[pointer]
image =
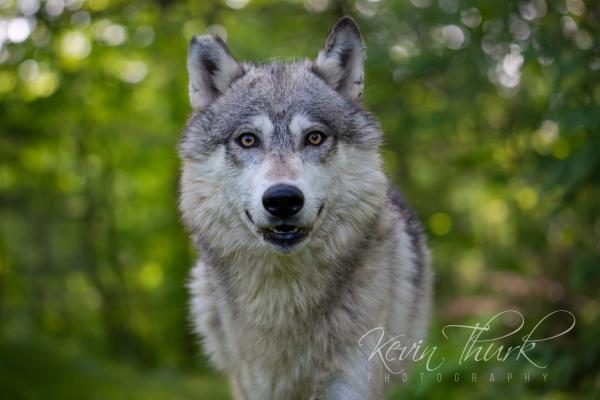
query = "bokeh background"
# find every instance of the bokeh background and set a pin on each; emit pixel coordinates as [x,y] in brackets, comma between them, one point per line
[492,122]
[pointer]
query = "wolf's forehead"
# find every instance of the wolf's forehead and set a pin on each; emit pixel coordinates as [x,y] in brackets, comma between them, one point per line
[280,92]
[282,88]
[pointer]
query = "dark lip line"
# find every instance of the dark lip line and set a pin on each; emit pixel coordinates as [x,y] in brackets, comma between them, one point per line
[249,216]
[320,209]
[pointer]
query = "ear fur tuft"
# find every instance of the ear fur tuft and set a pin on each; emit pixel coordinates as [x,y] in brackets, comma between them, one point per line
[340,62]
[211,68]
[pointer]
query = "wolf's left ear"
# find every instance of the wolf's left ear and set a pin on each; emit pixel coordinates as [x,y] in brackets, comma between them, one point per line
[340,62]
[211,69]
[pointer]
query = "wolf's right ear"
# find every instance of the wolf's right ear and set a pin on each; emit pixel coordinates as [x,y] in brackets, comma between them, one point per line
[211,69]
[340,62]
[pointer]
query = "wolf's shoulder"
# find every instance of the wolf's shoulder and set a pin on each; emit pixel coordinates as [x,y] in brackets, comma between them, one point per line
[414,230]
[400,206]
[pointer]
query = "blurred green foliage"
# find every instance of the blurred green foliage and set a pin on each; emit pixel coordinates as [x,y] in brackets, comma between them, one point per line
[492,121]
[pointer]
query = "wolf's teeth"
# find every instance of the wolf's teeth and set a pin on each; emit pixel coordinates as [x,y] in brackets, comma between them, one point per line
[293,230]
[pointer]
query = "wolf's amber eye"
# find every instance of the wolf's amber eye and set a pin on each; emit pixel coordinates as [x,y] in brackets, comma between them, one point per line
[248,140]
[315,138]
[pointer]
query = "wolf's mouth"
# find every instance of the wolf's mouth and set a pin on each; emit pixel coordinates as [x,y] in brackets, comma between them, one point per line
[285,235]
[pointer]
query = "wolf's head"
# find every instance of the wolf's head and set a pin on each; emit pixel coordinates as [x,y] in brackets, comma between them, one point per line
[280,157]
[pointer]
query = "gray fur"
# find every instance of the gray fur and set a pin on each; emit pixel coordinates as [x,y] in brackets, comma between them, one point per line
[286,323]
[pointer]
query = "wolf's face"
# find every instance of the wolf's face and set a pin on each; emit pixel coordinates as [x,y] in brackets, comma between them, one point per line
[278,156]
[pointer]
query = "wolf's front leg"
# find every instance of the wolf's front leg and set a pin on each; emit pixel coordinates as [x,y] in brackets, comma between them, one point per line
[236,393]
[362,381]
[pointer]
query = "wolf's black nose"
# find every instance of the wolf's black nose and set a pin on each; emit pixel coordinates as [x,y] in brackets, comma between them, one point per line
[283,201]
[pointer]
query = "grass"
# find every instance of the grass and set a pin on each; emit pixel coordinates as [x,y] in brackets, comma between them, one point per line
[33,371]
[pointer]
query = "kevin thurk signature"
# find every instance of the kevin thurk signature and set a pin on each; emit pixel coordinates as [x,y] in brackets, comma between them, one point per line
[481,345]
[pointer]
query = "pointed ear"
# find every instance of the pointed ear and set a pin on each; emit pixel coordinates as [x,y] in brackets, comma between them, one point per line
[340,62]
[211,69]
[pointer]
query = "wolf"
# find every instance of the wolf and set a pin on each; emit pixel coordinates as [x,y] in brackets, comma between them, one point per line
[304,245]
